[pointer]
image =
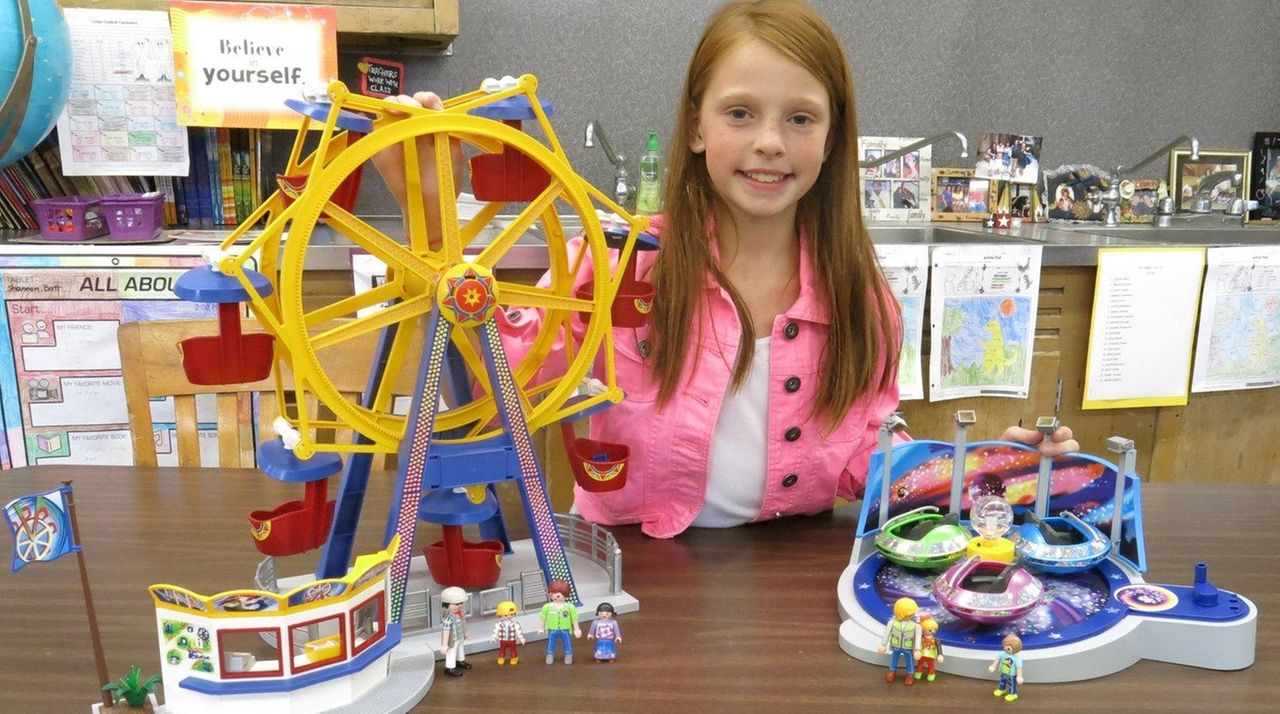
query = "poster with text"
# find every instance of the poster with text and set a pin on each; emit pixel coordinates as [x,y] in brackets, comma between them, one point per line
[61,389]
[121,117]
[895,190]
[237,63]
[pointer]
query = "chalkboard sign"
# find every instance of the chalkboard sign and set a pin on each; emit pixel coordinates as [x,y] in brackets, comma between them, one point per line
[380,77]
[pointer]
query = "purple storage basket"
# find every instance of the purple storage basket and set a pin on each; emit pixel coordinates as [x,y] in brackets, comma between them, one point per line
[70,218]
[134,216]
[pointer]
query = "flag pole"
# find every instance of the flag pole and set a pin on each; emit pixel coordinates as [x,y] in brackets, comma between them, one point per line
[99,658]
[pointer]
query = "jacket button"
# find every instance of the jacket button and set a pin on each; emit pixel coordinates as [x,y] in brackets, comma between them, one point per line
[789,480]
[792,434]
[644,348]
[791,330]
[792,384]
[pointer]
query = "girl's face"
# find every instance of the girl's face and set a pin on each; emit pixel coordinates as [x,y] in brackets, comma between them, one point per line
[763,126]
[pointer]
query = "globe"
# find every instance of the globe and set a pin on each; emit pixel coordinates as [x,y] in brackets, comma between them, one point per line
[50,81]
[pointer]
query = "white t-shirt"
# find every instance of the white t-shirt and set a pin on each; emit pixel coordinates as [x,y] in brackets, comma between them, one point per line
[737,463]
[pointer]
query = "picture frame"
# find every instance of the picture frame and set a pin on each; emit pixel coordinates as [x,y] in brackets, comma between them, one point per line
[1187,177]
[1022,201]
[1138,199]
[947,184]
[1069,193]
[1264,185]
[894,191]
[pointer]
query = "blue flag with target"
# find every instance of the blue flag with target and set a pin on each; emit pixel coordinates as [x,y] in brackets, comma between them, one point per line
[40,526]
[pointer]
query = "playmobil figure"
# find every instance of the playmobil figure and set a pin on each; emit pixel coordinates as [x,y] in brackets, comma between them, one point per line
[453,626]
[606,632]
[559,617]
[930,648]
[902,638]
[507,632]
[1010,666]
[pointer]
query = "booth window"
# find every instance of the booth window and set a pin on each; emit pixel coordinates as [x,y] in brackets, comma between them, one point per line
[368,623]
[245,653]
[318,642]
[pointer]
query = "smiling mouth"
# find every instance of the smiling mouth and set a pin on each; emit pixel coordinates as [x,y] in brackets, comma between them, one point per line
[767,178]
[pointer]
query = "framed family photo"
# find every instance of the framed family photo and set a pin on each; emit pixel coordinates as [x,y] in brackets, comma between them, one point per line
[959,196]
[1265,184]
[895,190]
[1211,176]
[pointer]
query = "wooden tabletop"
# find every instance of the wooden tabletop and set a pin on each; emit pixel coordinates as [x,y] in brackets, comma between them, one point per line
[742,619]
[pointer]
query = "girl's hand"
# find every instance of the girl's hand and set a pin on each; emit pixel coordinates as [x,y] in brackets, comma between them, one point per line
[390,165]
[1063,440]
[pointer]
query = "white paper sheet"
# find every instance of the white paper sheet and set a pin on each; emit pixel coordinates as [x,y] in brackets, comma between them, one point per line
[907,269]
[982,320]
[1144,311]
[121,117]
[1238,345]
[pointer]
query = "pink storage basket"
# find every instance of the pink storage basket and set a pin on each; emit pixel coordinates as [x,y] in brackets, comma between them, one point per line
[70,218]
[134,216]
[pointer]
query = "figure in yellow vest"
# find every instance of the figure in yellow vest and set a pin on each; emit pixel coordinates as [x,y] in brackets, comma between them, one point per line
[902,638]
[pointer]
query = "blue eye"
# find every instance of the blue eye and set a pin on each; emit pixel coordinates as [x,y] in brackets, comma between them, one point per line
[738,113]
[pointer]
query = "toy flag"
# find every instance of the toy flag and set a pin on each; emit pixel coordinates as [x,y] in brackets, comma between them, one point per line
[41,527]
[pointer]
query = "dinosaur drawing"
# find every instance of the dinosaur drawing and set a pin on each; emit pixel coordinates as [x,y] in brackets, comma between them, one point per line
[998,356]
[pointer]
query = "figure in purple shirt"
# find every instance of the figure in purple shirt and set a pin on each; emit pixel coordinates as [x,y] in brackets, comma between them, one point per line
[606,632]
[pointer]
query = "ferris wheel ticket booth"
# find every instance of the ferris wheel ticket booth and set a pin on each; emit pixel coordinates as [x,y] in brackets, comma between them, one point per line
[220,652]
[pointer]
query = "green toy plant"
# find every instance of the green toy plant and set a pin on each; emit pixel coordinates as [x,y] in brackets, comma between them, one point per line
[131,688]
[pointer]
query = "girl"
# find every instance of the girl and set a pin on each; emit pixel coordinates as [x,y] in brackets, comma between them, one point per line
[770,358]
[606,632]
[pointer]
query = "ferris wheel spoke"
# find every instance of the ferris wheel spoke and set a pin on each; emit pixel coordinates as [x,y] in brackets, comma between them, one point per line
[448,202]
[473,227]
[410,309]
[389,250]
[493,252]
[349,306]
[515,294]
[416,221]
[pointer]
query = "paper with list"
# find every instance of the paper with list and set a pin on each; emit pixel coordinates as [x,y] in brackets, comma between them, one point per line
[1144,316]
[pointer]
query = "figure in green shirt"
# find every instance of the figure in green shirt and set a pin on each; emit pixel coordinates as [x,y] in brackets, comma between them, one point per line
[559,617]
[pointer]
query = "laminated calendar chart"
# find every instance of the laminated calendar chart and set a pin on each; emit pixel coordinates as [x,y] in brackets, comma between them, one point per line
[982,320]
[121,115]
[906,267]
[1238,345]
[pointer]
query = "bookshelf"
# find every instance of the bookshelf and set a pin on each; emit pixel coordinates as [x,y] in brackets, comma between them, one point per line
[230,176]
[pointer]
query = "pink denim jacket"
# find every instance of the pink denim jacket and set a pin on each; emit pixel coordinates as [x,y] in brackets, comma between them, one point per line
[667,472]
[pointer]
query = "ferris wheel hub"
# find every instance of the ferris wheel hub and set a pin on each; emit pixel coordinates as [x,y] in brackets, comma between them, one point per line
[467,294]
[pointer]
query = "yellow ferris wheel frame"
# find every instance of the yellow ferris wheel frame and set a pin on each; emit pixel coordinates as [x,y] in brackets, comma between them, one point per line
[415,267]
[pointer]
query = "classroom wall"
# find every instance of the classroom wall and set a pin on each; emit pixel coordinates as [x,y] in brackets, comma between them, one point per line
[1104,82]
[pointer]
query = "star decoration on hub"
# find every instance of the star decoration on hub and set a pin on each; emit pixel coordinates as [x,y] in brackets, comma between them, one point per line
[467,295]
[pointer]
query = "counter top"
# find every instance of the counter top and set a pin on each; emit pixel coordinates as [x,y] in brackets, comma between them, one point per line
[1064,245]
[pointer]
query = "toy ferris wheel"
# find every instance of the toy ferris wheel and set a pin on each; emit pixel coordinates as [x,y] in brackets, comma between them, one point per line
[442,293]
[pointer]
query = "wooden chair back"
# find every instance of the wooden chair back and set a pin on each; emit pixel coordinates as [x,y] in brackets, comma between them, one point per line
[152,367]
